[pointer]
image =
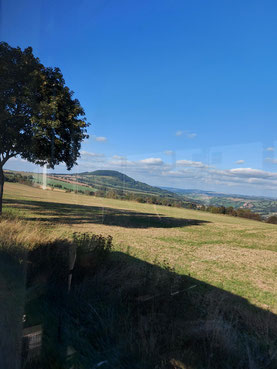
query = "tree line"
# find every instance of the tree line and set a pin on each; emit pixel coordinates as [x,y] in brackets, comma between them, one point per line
[239,212]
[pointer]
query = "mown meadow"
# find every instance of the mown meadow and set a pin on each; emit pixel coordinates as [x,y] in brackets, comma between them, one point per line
[180,288]
[235,254]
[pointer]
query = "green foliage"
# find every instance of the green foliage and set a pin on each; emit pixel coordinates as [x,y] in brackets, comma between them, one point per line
[39,119]
[242,213]
[92,249]
[14,177]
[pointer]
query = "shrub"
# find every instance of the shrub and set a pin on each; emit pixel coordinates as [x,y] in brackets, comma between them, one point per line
[272,219]
[91,252]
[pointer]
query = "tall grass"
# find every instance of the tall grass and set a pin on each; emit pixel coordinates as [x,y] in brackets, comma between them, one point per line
[14,231]
[122,312]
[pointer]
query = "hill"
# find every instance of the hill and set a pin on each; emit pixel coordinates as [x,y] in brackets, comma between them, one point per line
[117,180]
[105,183]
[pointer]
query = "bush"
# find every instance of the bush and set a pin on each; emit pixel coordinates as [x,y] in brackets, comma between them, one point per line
[89,193]
[91,252]
[272,219]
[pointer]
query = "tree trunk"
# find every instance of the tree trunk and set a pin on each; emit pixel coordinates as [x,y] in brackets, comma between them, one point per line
[1,187]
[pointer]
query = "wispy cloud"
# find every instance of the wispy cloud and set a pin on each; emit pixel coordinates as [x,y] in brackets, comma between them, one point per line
[88,159]
[119,157]
[191,135]
[91,154]
[190,163]
[100,138]
[152,161]
[270,149]
[168,152]
[187,134]
[240,162]
[271,160]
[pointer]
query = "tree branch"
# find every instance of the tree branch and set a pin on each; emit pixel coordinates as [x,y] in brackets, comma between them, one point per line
[6,157]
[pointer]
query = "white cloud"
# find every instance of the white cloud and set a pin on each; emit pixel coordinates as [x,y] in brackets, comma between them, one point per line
[152,161]
[100,139]
[186,174]
[189,174]
[89,159]
[187,134]
[250,172]
[119,157]
[168,152]
[270,149]
[91,154]
[195,174]
[240,161]
[190,163]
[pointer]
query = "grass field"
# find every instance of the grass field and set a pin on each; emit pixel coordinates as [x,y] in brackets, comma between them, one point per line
[234,254]
[38,178]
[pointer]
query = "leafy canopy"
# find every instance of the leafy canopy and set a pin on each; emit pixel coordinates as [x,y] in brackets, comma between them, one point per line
[39,118]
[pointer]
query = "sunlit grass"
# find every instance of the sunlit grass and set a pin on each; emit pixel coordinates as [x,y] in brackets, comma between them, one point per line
[238,255]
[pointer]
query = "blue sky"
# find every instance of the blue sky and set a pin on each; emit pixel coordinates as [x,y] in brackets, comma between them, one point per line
[179,93]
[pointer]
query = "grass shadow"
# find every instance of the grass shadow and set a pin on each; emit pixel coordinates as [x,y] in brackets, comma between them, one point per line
[173,321]
[79,214]
[127,313]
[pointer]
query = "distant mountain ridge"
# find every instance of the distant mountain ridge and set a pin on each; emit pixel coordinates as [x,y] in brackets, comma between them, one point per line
[213,193]
[262,205]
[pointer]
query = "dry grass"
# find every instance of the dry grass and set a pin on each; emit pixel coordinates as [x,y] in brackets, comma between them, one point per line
[24,234]
[237,255]
[129,309]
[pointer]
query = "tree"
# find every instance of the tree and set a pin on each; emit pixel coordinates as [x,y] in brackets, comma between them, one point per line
[39,119]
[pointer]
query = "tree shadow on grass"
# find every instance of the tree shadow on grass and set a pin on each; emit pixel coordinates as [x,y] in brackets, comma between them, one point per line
[79,214]
[186,322]
[126,313]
